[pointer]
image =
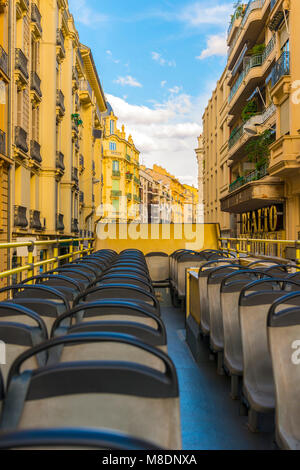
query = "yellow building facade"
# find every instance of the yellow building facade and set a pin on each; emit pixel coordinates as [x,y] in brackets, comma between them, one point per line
[121,182]
[251,126]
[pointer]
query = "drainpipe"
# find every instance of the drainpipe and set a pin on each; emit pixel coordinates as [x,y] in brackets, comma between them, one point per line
[9,133]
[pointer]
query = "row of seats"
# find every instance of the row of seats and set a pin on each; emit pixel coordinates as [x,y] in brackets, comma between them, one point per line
[250,314]
[86,359]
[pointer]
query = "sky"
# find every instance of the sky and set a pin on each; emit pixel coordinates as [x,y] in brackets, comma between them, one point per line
[158,62]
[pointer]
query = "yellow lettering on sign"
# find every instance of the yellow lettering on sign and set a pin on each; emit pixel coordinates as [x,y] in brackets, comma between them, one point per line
[273,218]
[254,224]
[244,223]
[259,227]
[266,211]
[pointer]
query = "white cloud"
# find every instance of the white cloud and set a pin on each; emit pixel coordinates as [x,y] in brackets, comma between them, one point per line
[85,14]
[157,57]
[163,83]
[175,90]
[197,13]
[128,80]
[165,133]
[108,52]
[215,45]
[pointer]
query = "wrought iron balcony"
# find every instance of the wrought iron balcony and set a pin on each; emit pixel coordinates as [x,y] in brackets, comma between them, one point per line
[36,17]
[60,101]
[75,174]
[3,61]
[60,41]
[21,139]
[75,75]
[81,161]
[129,176]
[2,142]
[93,167]
[116,173]
[22,63]
[136,180]
[35,151]
[281,68]
[60,222]
[75,226]
[86,91]
[81,197]
[128,158]
[60,160]
[35,221]
[129,196]
[20,219]
[136,198]
[115,193]
[35,84]
[252,176]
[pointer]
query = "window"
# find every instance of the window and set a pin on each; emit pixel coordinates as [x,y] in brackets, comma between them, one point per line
[112,146]
[115,165]
[112,127]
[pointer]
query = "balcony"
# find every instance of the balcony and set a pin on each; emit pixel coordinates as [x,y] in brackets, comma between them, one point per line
[129,176]
[36,19]
[81,197]
[136,180]
[22,7]
[129,196]
[35,221]
[128,158]
[253,191]
[81,162]
[35,86]
[281,68]
[3,62]
[60,223]
[60,161]
[254,18]
[115,193]
[136,199]
[75,78]
[35,151]
[74,226]
[116,173]
[2,142]
[93,168]
[20,219]
[21,139]
[285,156]
[60,44]
[21,66]
[277,15]
[85,92]
[75,174]
[60,103]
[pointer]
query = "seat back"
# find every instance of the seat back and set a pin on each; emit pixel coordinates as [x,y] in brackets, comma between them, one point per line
[126,278]
[158,266]
[284,344]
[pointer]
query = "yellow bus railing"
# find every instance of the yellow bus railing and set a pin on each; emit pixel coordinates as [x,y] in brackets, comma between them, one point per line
[234,245]
[54,260]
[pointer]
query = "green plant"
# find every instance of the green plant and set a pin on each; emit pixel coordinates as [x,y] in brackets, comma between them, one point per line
[258,149]
[76,118]
[257,49]
[249,110]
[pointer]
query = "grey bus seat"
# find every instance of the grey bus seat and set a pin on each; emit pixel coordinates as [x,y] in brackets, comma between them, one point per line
[117,317]
[134,271]
[2,393]
[255,301]
[120,291]
[125,396]
[158,266]
[70,287]
[284,344]
[72,439]
[20,329]
[126,278]
[214,301]
[230,290]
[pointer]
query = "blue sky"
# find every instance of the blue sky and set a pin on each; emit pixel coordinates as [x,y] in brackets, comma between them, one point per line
[158,62]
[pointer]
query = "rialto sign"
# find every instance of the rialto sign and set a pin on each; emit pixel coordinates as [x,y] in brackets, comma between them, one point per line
[266,219]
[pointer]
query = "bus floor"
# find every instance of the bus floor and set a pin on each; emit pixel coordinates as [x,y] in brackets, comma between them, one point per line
[209,417]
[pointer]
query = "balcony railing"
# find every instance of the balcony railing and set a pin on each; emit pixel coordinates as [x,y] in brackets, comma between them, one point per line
[3,61]
[252,176]
[129,176]
[81,197]
[136,180]
[60,222]
[281,68]
[35,221]
[84,85]
[60,40]
[20,219]
[21,139]
[81,161]
[74,226]
[252,5]
[128,158]
[22,63]
[2,142]
[35,151]
[60,100]
[60,160]
[129,196]
[116,173]
[235,136]
[75,174]
[36,17]
[250,63]
[115,193]
[75,75]
[36,84]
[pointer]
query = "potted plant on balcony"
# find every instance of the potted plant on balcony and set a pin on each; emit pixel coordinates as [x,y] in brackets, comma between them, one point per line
[258,149]
[258,49]
[249,110]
